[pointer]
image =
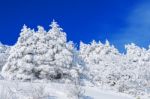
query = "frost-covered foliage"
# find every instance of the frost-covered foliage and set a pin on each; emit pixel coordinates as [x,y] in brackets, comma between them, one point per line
[138,68]
[100,61]
[40,55]
[4,53]
[105,66]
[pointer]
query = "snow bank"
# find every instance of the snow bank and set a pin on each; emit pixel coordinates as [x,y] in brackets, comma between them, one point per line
[26,90]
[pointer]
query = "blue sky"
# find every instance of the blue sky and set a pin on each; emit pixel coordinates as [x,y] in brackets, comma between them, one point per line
[119,21]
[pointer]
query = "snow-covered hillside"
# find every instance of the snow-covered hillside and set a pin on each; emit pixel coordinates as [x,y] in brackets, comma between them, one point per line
[47,56]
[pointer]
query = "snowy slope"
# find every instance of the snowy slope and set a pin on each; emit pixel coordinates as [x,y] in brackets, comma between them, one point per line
[22,90]
[104,94]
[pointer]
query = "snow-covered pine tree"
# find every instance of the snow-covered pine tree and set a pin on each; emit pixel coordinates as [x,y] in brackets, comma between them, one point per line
[101,61]
[40,55]
[17,65]
[137,67]
[4,53]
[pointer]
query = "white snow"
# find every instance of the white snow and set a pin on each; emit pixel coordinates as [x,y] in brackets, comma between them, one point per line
[24,90]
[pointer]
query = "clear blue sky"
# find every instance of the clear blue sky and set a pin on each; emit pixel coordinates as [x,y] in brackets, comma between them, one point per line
[119,21]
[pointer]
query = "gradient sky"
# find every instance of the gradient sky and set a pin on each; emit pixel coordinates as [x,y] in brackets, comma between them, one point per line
[119,21]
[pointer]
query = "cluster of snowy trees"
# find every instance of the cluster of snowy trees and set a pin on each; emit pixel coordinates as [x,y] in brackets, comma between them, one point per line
[47,55]
[105,66]
[41,55]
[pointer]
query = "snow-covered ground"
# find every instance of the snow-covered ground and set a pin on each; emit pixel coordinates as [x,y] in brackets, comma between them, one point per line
[96,93]
[25,90]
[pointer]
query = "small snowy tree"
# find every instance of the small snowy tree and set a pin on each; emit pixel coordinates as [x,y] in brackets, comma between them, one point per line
[75,89]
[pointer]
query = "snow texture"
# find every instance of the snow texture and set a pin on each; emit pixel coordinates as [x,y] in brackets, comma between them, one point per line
[4,53]
[27,90]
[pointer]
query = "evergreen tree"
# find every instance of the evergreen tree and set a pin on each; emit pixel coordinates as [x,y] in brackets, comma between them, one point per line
[40,55]
[4,53]
[101,61]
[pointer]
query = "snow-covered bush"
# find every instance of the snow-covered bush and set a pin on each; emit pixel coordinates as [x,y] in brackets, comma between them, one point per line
[7,93]
[38,92]
[41,55]
[75,89]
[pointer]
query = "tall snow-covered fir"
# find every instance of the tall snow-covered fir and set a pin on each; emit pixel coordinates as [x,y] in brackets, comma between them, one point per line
[40,55]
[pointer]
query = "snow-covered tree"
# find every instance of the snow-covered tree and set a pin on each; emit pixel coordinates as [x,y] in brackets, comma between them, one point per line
[40,55]
[105,66]
[100,61]
[137,67]
[4,53]
[127,72]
